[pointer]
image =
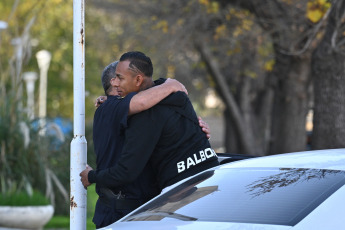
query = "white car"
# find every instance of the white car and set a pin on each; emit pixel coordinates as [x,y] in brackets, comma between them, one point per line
[302,190]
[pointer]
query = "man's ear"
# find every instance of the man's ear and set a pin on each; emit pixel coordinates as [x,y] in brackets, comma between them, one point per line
[112,81]
[139,79]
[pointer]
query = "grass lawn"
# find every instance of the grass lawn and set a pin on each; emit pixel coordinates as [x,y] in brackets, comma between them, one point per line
[62,222]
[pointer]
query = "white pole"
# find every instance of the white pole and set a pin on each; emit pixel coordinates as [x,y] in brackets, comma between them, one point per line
[30,78]
[78,145]
[43,59]
[16,81]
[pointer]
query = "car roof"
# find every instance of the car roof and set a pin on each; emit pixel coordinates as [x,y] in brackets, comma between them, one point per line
[333,159]
[188,225]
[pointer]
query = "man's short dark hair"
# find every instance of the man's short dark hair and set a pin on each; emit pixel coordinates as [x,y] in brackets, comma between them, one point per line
[138,61]
[107,75]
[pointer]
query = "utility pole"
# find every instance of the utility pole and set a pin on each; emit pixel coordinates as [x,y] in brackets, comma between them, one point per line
[78,194]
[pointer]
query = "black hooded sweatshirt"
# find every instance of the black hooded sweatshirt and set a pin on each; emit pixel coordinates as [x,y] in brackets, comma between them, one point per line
[166,137]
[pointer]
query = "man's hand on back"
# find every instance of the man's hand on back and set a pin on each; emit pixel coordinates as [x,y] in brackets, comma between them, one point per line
[84,176]
[100,100]
[205,127]
[176,85]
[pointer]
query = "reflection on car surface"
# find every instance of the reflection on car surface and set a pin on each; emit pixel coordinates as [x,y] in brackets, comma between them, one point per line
[303,190]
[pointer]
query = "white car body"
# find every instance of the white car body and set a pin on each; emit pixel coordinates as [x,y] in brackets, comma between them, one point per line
[327,214]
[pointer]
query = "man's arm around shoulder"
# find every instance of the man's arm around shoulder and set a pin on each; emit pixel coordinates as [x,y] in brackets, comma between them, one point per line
[150,97]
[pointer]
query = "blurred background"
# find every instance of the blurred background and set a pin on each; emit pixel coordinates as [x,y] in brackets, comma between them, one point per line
[267,76]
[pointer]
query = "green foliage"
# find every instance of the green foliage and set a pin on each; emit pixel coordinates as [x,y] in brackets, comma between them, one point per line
[23,199]
[28,160]
[52,30]
[13,147]
[316,9]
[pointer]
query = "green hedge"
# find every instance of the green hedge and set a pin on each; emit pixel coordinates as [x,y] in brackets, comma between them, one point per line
[23,199]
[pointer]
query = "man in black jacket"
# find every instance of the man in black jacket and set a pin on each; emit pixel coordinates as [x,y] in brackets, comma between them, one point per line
[166,137]
[110,121]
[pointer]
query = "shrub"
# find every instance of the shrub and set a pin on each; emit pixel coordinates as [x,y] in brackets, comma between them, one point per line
[28,161]
[23,199]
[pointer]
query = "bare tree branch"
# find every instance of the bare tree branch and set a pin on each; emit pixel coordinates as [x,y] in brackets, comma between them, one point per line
[244,134]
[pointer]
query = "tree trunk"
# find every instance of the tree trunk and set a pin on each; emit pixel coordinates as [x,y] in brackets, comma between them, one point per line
[286,24]
[328,68]
[230,138]
[263,120]
[290,103]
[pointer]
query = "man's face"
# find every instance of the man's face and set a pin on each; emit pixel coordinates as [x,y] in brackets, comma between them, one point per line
[125,80]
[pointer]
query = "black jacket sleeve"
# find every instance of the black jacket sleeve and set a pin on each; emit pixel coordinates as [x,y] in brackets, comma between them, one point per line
[137,151]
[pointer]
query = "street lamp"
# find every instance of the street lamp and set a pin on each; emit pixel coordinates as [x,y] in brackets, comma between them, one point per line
[30,78]
[3,25]
[18,44]
[43,60]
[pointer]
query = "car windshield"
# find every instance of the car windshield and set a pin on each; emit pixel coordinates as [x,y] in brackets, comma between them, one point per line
[248,195]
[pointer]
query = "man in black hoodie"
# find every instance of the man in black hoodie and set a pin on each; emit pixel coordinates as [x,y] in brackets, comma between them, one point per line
[110,121]
[167,138]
